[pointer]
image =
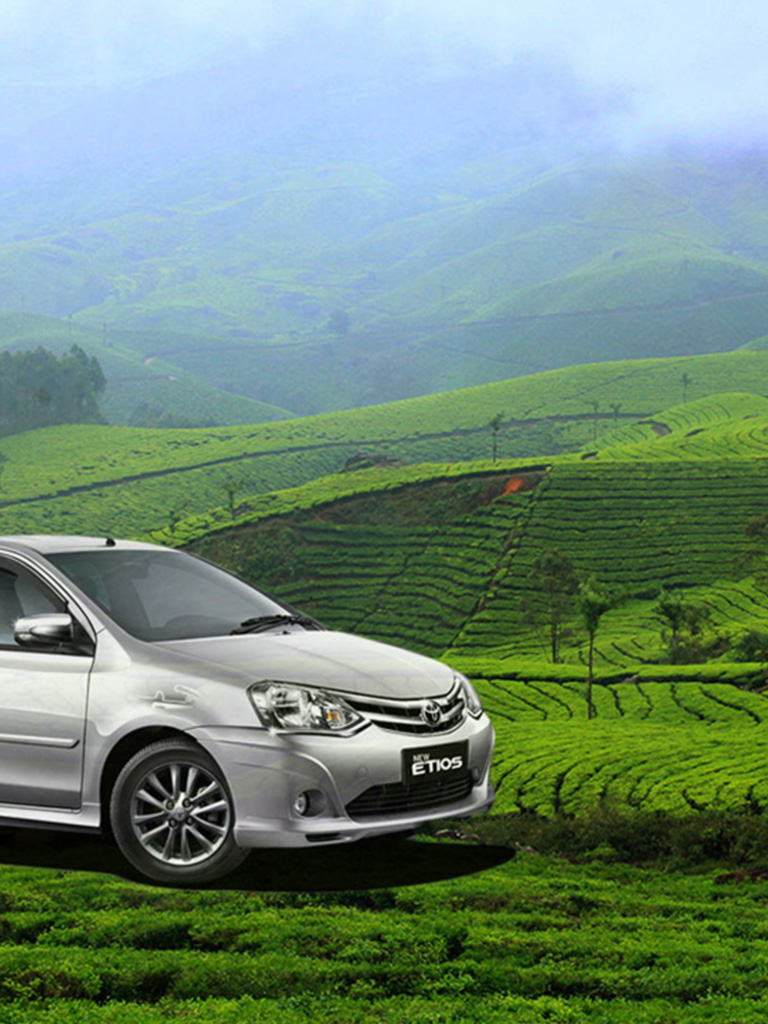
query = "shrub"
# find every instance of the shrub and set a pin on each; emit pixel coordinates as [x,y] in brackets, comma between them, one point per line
[610,833]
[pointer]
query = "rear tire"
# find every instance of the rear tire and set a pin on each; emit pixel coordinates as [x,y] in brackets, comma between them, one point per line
[172,815]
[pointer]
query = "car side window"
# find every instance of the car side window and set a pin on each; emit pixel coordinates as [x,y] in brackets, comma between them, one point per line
[21,595]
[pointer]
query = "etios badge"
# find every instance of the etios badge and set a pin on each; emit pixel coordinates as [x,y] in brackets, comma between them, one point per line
[436,764]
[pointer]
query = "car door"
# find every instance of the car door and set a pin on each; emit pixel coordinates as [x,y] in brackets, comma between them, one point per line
[43,698]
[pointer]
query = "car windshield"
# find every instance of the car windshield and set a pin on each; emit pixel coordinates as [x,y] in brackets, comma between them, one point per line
[164,595]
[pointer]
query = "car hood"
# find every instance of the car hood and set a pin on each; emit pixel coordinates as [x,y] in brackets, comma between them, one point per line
[326,659]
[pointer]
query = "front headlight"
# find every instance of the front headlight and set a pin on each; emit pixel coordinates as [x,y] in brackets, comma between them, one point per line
[471,699]
[287,706]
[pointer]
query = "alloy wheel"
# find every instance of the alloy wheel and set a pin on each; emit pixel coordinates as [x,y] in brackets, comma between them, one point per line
[180,813]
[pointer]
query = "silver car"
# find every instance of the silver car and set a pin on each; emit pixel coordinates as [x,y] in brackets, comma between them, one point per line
[148,691]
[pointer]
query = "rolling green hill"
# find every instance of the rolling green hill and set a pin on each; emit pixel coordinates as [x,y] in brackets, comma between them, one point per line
[230,273]
[709,427]
[463,238]
[660,501]
[129,481]
[451,569]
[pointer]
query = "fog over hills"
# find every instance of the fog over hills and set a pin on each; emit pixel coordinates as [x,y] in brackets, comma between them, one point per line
[321,214]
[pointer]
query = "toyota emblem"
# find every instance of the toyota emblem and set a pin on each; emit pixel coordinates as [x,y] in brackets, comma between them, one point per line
[431,714]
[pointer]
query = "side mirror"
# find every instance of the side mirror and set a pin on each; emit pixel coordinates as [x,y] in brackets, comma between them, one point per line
[44,632]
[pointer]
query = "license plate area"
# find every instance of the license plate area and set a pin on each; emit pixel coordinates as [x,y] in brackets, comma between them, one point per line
[435,763]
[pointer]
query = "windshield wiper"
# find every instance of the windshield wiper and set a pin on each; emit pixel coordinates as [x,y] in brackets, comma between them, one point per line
[264,622]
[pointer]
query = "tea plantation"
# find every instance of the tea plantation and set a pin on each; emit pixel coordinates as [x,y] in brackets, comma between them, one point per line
[441,557]
[127,481]
[447,566]
[656,746]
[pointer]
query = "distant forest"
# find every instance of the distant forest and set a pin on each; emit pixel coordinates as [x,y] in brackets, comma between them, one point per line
[39,389]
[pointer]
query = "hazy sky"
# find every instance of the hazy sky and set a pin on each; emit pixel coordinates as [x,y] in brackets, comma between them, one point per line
[692,67]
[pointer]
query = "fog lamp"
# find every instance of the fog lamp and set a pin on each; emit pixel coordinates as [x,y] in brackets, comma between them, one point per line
[309,803]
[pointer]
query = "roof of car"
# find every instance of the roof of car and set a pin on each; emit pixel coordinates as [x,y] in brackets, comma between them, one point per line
[46,544]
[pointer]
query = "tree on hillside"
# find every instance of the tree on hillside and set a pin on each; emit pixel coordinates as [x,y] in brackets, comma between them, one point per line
[595,406]
[757,527]
[232,486]
[495,426]
[754,558]
[751,646]
[174,516]
[553,586]
[38,389]
[686,381]
[615,408]
[593,601]
[684,630]
[672,610]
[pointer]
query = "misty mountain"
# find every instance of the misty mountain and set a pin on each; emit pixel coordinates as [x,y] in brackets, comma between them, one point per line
[315,227]
[309,103]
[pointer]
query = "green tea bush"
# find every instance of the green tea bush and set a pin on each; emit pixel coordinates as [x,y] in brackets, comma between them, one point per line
[611,833]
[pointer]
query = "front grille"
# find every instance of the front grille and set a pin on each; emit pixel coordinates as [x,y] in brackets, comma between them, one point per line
[396,798]
[413,716]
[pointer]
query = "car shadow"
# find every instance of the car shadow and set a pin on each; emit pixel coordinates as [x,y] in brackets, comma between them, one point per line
[368,864]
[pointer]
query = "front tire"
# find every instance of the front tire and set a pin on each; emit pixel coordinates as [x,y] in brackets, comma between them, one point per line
[172,815]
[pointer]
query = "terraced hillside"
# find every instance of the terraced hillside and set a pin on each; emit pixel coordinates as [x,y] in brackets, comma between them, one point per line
[131,481]
[450,566]
[405,565]
[654,746]
[662,501]
[637,527]
[445,566]
[459,585]
[440,558]
[703,428]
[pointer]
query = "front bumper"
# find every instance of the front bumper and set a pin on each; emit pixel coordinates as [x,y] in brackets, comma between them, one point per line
[267,771]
